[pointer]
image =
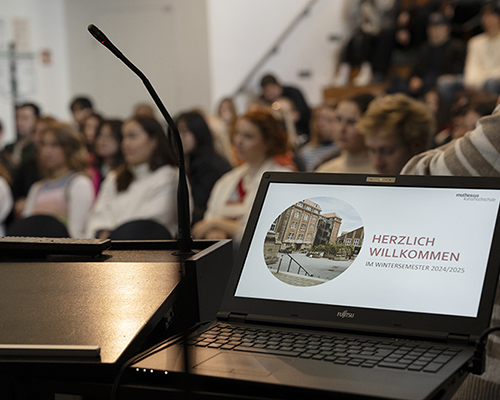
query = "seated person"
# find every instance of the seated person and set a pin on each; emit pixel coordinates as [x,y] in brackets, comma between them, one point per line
[23,148]
[107,147]
[474,154]
[258,139]
[320,145]
[6,200]
[440,63]
[482,67]
[29,171]
[65,191]
[227,111]
[144,187]
[352,156]
[371,44]
[272,90]
[81,107]
[395,129]
[481,105]
[203,164]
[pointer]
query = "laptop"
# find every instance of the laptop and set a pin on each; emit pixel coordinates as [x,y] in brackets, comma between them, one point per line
[405,264]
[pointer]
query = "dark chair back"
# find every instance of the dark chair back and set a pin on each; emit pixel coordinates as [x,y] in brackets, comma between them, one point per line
[38,226]
[144,229]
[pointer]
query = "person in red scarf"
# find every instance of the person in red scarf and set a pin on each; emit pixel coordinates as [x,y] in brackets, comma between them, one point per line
[260,141]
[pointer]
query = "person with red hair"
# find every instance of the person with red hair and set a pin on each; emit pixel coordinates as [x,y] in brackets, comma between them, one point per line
[259,140]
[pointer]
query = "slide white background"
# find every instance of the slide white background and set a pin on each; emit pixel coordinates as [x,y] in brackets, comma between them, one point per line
[459,225]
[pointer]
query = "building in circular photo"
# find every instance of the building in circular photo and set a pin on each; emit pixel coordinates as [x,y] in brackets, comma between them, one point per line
[313,241]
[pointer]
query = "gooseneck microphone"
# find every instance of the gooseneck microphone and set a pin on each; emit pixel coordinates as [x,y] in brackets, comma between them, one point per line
[184,239]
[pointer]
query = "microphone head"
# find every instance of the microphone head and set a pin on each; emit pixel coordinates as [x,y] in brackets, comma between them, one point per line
[96,32]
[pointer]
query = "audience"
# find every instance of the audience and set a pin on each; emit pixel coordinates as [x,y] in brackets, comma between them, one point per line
[272,90]
[337,141]
[6,200]
[65,192]
[221,135]
[395,128]
[204,165]
[144,187]
[227,111]
[482,65]
[23,148]
[440,62]
[48,165]
[4,156]
[107,147]
[480,106]
[370,46]
[81,107]
[258,138]
[321,143]
[440,111]
[353,155]
[475,154]
[91,126]
[143,110]
[29,171]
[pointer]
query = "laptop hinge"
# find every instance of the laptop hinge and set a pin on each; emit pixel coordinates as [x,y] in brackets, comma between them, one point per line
[454,338]
[236,317]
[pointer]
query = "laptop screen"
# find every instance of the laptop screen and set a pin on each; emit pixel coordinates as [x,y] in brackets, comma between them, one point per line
[409,249]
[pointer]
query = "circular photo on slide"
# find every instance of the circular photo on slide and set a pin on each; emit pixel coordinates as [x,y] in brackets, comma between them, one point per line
[313,241]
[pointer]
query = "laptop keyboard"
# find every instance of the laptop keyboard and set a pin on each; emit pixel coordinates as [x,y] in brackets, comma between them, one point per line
[339,350]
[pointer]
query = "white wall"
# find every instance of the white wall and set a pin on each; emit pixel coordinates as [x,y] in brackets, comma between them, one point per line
[193,51]
[44,83]
[241,32]
[197,51]
[165,39]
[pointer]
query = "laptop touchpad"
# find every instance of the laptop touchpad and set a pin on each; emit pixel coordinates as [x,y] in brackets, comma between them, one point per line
[245,364]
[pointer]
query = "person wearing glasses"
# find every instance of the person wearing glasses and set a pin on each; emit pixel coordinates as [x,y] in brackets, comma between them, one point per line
[396,128]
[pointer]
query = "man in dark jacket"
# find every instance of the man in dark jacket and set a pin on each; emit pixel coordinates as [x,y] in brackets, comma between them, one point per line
[440,61]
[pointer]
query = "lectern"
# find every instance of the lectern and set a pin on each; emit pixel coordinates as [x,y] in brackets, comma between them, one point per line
[116,302]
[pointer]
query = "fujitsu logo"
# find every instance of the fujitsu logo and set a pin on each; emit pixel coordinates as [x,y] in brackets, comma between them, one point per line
[345,314]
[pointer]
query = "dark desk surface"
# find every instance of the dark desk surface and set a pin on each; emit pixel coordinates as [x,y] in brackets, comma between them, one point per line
[104,304]
[113,302]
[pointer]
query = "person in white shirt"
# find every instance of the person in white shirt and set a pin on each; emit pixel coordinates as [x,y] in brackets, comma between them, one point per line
[482,63]
[144,187]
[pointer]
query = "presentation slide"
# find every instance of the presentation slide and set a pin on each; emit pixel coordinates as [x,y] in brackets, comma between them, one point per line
[403,249]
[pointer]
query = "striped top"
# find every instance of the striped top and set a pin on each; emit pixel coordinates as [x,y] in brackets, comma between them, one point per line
[475,154]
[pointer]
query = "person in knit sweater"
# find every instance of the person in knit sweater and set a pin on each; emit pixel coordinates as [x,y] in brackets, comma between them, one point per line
[144,187]
[475,154]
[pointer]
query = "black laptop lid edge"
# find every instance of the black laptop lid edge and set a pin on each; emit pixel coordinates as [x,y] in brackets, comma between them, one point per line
[387,322]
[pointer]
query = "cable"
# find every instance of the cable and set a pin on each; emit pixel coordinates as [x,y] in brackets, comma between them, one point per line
[477,365]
